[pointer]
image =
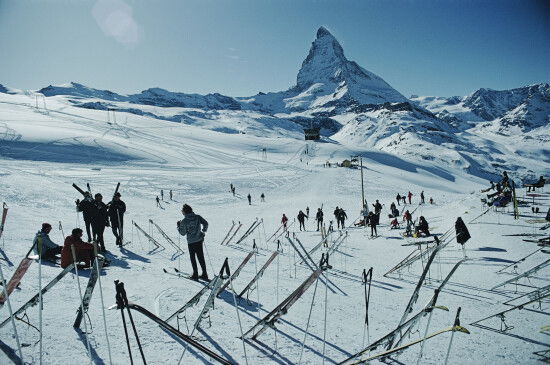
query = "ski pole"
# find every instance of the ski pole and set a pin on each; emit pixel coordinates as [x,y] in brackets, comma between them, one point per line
[11,314]
[120,305]
[308,319]
[238,317]
[103,308]
[73,252]
[40,296]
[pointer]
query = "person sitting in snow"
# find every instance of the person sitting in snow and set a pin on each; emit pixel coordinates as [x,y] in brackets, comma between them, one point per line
[42,240]
[422,228]
[394,224]
[84,251]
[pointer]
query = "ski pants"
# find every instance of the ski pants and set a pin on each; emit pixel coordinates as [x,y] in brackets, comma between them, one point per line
[319,223]
[302,224]
[373,230]
[98,229]
[195,251]
[88,224]
[117,229]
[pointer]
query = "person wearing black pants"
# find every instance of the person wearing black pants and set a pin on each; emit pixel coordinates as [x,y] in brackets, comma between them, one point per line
[100,220]
[86,206]
[117,208]
[190,227]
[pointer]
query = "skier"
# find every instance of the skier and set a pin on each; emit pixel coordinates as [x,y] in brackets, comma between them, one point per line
[49,249]
[371,219]
[190,227]
[431,200]
[365,213]
[100,220]
[337,216]
[343,216]
[116,211]
[422,197]
[410,196]
[262,197]
[86,206]
[301,220]
[407,217]
[422,228]
[319,218]
[398,198]
[249,199]
[377,209]
[307,213]
[403,198]
[232,189]
[158,202]
[162,194]
[284,219]
[83,251]
[170,194]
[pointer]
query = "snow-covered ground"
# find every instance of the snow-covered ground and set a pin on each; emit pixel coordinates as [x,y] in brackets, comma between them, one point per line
[44,151]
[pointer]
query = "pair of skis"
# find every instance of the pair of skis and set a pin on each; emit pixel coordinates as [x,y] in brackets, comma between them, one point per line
[231,235]
[249,231]
[87,297]
[17,275]
[166,237]
[148,236]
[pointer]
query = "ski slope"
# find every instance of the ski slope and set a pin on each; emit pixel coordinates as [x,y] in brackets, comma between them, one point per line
[44,150]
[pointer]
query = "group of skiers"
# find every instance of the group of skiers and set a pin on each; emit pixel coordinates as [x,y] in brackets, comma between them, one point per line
[157,199]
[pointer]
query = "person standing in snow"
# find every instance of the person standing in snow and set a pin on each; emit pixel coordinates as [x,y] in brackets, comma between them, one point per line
[307,213]
[116,211]
[342,217]
[319,218]
[301,220]
[86,206]
[161,194]
[190,227]
[284,220]
[100,220]
[410,196]
[431,200]
[42,240]
[249,199]
[337,216]
[422,197]
[398,198]
[262,197]
[158,202]
[371,220]
[377,210]
[170,194]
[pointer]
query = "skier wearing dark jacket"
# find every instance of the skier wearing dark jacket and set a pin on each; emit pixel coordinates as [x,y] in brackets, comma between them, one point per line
[190,227]
[116,211]
[100,220]
[301,220]
[319,218]
[86,206]
[49,248]
[342,218]
[377,209]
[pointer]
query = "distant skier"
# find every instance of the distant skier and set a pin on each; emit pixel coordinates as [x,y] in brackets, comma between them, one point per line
[319,218]
[170,194]
[431,200]
[342,218]
[262,197]
[377,210]
[100,220]
[284,220]
[398,198]
[403,198]
[365,214]
[83,251]
[307,213]
[337,216]
[49,248]
[86,206]
[410,196]
[249,199]
[161,194]
[232,188]
[371,221]
[422,197]
[116,211]
[158,202]
[301,220]
[190,227]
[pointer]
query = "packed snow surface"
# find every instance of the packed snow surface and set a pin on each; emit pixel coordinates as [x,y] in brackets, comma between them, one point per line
[48,144]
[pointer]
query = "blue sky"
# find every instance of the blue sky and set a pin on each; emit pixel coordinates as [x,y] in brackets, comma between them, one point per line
[241,47]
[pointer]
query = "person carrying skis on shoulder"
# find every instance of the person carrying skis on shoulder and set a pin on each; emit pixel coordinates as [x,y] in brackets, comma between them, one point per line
[284,219]
[319,218]
[83,251]
[49,248]
[116,211]
[301,220]
[100,220]
[86,207]
[190,227]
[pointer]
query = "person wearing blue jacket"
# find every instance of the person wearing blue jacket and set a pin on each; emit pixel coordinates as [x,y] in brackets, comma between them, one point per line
[49,248]
[193,226]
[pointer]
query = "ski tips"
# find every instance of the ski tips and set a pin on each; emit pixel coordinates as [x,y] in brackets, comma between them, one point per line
[461,329]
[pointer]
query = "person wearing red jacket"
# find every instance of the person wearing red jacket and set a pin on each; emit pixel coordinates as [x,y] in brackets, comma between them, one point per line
[84,251]
[283,221]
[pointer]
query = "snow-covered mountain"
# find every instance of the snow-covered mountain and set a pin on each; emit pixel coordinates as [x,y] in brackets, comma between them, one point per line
[481,133]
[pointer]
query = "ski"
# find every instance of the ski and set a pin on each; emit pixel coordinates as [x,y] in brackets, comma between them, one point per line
[273,235]
[151,239]
[248,231]
[518,261]
[259,274]
[116,189]
[191,302]
[98,264]
[17,275]
[166,237]
[3,221]
[34,300]
[234,233]
[525,274]
[237,271]
[228,232]
[79,190]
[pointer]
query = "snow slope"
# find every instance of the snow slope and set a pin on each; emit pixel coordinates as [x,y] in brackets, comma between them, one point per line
[44,150]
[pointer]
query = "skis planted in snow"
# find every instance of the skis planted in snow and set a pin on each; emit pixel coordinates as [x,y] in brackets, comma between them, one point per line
[34,300]
[87,297]
[234,233]
[3,221]
[17,275]
[259,274]
[166,237]
[250,229]
[148,236]
[237,271]
[525,274]
[228,232]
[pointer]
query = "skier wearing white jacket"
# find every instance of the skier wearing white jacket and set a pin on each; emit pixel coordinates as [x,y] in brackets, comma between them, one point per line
[190,227]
